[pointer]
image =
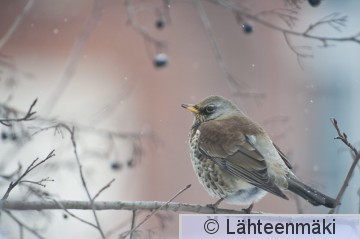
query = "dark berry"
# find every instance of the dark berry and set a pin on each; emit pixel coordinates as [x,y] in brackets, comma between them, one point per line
[314,3]
[116,165]
[4,135]
[247,28]
[14,136]
[160,60]
[160,23]
[130,163]
[65,216]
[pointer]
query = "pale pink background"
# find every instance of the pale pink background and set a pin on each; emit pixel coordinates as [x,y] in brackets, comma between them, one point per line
[115,60]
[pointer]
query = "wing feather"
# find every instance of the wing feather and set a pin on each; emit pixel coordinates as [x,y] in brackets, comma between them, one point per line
[283,156]
[225,142]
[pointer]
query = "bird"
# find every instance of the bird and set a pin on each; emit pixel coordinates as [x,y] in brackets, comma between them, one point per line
[236,161]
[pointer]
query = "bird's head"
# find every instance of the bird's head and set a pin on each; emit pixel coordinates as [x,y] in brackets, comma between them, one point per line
[212,108]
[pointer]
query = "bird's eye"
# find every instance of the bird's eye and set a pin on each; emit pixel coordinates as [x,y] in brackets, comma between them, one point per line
[210,109]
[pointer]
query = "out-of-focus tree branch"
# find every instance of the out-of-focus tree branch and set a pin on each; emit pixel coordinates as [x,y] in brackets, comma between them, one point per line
[343,137]
[306,33]
[73,58]
[28,116]
[16,23]
[237,87]
[82,177]
[334,20]
[30,168]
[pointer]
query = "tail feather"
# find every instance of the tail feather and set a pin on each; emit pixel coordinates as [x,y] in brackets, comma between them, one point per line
[313,196]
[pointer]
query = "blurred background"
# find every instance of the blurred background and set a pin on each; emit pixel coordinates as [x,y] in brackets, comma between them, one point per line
[119,70]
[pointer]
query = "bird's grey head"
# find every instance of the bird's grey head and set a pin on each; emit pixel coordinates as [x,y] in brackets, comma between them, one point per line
[211,108]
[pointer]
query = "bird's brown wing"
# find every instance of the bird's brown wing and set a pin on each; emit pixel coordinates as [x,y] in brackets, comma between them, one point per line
[283,156]
[225,142]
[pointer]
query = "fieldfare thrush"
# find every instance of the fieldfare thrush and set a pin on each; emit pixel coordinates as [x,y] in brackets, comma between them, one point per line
[236,161]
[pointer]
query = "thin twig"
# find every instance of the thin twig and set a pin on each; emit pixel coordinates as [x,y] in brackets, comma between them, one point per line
[333,20]
[155,211]
[75,54]
[298,54]
[73,215]
[10,32]
[102,189]
[28,116]
[132,223]
[233,85]
[73,141]
[31,167]
[57,124]
[323,39]
[118,227]
[158,44]
[82,177]
[72,132]
[343,137]
[287,15]
[40,182]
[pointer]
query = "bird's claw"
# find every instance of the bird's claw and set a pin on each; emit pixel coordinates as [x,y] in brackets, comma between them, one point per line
[213,206]
[249,209]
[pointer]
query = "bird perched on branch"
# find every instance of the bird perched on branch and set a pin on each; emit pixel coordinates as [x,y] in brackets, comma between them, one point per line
[236,161]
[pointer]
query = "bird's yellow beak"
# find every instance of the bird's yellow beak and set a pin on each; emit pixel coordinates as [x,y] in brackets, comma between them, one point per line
[191,108]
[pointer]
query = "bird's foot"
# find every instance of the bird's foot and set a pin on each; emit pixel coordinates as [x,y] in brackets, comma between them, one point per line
[215,205]
[249,209]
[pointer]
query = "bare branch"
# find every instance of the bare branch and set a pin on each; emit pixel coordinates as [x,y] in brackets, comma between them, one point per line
[287,15]
[73,141]
[113,205]
[233,85]
[333,20]
[60,204]
[158,44]
[75,54]
[102,189]
[16,23]
[28,116]
[299,54]
[155,211]
[343,137]
[132,227]
[40,182]
[31,167]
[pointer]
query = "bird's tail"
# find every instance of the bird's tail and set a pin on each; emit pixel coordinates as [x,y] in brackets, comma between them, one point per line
[313,196]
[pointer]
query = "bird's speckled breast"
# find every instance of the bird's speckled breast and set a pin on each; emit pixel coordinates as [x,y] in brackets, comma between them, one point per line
[216,181]
[208,173]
